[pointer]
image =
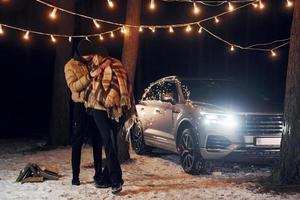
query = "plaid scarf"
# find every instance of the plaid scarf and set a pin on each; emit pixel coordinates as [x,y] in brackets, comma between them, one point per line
[111,89]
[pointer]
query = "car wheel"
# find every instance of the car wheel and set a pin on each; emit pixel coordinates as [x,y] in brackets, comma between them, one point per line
[190,157]
[137,140]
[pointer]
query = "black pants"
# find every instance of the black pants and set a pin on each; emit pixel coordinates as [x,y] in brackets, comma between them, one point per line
[109,130]
[82,125]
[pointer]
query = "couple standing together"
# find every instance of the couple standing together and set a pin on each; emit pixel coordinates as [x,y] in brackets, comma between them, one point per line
[102,96]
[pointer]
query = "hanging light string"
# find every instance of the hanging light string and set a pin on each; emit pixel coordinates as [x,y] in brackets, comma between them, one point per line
[143,26]
[58,35]
[212,3]
[250,47]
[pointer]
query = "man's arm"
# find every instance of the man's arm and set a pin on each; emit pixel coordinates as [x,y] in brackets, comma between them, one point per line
[76,84]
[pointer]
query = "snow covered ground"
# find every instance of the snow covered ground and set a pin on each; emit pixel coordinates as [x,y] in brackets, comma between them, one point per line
[158,176]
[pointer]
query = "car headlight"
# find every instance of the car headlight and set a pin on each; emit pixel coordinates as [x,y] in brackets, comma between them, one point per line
[224,120]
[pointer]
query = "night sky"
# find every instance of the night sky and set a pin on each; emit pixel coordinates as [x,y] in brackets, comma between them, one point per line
[28,66]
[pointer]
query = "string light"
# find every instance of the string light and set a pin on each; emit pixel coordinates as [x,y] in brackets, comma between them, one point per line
[87,38]
[289,3]
[70,39]
[26,35]
[196,9]
[261,5]
[124,30]
[110,3]
[255,5]
[140,29]
[152,29]
[273,53]
[101,37]
[217,20]
[97,25]
[200,30]
[232,48]
[52,38]
[171,30]
[230,7]
[1,30]
[152,5]
[112,35]
[52,15]
[188,28]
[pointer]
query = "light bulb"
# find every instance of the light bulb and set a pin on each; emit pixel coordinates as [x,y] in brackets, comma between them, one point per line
[255,5]
[123,30]
[52,15]
[101,37]
[230,7]
[1,30]
[152,29]
[140,29]
[289,3]
[232,48]
[261,5]
[110,3]
[70,39]
[53,38]
[152,5]
[217,20]
[112,35]
[196,9]
[97,25]
[26,36]
[200,30]
[188,28]
[273,53]
[171,30]
[87,38]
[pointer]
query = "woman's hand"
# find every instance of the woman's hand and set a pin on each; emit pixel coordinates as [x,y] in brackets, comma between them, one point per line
[96,72]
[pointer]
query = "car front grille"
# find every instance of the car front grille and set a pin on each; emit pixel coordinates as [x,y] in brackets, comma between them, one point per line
[217,142]
[261,124]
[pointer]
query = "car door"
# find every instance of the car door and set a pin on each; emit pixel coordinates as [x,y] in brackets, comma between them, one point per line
[163,115]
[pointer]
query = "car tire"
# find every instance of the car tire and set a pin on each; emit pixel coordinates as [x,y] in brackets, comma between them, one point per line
[190,157]
[137,140]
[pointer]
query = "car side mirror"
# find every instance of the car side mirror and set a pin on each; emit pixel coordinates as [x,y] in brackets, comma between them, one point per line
[167,98]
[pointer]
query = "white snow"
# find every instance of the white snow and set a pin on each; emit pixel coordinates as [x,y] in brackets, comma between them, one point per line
[158,176]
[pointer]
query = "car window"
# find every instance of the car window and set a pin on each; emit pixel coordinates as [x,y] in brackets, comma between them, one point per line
[169,89]
[153,93]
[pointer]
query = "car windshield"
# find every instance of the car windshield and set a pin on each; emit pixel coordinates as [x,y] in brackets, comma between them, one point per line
[220,91]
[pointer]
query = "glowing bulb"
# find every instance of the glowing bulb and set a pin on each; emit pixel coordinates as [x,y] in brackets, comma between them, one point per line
[230,7]
[87,38]
[200,30]
[152,29]
[232,48]
[171,30]
[70,39]
[188,28]
[217,20]
[196,9]
[141,29]
[112,35]
[101,37]
[273,53]
[123,30]
[152,5]
[26,36]
[53,13]
[53,38]
[110,3]
[261,5]
[289,3]
[1,30]
[255,5]
[97,25]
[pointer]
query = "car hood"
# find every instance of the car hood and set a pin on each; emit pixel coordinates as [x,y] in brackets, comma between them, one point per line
[240,107]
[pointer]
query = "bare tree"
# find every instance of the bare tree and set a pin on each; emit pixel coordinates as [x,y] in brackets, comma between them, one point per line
[60,111]
[290,145]
[129,57]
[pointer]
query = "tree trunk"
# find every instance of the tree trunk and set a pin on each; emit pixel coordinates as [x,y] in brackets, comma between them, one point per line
[60,125]
[290,145]
[129,58]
